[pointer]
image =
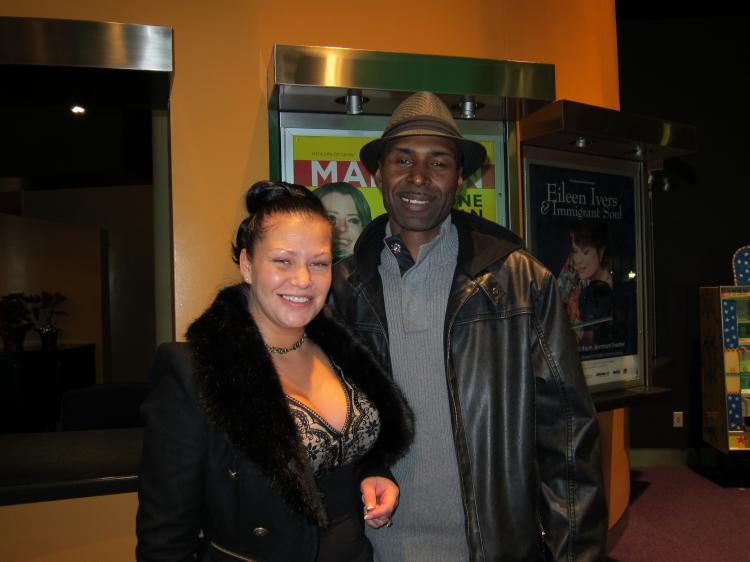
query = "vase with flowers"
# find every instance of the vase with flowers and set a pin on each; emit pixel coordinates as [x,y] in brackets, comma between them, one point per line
[15,320]
[44,310]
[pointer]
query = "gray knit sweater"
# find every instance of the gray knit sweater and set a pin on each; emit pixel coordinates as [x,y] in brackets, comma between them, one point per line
[429,523]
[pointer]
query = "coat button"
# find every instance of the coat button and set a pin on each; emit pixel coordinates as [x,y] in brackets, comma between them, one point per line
[495,291]
[232,473]
[260,531]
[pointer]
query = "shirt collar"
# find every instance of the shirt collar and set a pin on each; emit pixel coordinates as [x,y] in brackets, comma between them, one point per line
[396,245]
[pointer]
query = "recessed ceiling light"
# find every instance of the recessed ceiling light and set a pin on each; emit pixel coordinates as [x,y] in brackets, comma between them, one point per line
[77,110]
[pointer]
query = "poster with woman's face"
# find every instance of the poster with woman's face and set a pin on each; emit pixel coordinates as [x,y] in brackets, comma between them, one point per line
[582,224]
[349,212]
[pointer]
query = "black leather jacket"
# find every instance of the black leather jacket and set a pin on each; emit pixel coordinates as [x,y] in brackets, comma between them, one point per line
[524,427]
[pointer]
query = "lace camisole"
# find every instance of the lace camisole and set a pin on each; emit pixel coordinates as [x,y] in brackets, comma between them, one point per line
[326,447]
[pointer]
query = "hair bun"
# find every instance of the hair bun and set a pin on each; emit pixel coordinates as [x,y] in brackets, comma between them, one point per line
[263,193]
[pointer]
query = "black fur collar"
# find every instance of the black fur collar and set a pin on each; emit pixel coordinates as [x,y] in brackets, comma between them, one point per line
[242,395]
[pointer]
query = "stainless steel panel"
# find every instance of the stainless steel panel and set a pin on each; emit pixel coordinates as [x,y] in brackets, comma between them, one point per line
[311,78]
[70,43]
[587,129]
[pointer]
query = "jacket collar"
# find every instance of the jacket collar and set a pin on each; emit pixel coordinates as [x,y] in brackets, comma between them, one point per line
[480,243]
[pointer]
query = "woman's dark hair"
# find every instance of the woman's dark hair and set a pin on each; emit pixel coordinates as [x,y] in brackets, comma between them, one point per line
[590,234]
[266,198]
[360,203]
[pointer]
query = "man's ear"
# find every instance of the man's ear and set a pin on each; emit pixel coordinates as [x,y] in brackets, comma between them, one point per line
[459,183]
[378,178]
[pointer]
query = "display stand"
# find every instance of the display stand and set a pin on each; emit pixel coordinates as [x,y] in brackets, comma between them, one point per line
[725,366]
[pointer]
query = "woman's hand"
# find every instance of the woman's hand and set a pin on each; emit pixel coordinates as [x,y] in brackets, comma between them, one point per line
[380,498]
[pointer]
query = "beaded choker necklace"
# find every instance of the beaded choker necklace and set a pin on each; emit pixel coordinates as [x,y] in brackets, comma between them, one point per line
[284,350]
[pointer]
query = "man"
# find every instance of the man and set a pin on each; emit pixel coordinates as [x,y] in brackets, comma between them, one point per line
[505,461]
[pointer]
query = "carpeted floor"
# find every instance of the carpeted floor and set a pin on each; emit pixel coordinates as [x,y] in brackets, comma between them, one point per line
[679,515]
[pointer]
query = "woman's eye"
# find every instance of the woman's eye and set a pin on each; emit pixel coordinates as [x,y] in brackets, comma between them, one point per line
[281,261]
[322,264]
[354,220]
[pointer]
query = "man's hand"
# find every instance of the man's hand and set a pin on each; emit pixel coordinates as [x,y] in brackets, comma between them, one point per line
[380,498]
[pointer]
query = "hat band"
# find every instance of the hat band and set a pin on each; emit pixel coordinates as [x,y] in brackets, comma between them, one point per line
[429,124]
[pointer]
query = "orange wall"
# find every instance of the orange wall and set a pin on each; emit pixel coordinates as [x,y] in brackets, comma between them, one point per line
[222,49]
[99,528]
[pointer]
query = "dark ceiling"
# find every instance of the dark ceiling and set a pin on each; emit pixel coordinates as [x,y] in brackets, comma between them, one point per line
[45,146]
[645,10]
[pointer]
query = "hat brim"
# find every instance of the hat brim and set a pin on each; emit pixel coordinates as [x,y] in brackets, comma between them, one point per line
[473,154]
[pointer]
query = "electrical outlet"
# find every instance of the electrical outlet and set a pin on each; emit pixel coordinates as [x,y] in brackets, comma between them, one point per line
[677,419]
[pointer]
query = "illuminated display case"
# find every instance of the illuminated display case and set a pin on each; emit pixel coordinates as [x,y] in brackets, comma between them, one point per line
[587,178]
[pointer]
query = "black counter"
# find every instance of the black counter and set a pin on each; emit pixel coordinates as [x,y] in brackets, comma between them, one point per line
[71,464]
[60,465]
[626,397]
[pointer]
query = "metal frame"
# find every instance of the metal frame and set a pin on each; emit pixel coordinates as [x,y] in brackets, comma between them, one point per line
[90,44]
[587,135]
[587,162]
[309,79]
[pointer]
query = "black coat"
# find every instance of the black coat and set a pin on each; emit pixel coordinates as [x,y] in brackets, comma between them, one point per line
[524,426]
[221,452]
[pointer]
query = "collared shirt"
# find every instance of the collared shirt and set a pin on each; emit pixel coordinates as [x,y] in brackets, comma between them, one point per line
[397,247]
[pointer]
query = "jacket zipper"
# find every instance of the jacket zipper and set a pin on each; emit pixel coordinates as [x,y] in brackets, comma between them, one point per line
[454,412]
[231,553]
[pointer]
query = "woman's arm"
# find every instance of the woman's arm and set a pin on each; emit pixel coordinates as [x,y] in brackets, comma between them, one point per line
[171,477]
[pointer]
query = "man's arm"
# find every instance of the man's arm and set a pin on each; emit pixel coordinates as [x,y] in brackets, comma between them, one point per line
[572,506]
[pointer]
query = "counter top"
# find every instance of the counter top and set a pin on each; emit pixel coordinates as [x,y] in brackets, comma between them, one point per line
[61,465]
[626,397]
[70,464]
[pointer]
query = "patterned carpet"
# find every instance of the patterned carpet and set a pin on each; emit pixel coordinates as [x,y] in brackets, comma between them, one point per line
[679,515]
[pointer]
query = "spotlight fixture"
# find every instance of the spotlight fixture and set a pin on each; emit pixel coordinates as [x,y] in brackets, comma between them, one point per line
[582,142]
[353,100]
[78,110]
[467,107]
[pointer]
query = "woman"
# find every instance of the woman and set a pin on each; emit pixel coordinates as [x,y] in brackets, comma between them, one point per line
[262,426]
[586,282]
[349,213]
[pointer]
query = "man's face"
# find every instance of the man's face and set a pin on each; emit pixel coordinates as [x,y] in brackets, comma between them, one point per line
[420,179]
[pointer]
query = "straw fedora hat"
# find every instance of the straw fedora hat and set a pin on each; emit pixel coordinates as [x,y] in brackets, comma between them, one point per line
[420,114]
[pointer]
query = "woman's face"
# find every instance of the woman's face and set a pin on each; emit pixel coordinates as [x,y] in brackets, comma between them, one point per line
[347,225]
[587,260]
[289,274]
